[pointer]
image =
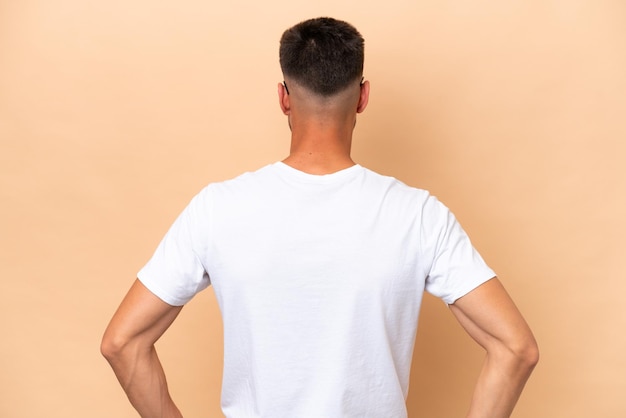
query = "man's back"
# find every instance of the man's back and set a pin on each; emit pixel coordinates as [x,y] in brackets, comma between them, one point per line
[319,280]
[318,266]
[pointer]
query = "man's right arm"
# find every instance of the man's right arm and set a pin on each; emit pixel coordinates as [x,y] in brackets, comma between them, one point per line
[128,345]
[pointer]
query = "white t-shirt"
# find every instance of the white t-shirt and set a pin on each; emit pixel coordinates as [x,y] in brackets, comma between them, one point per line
[319,280]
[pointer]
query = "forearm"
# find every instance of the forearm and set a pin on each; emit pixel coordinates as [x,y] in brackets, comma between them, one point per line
[141,375]
[500,384]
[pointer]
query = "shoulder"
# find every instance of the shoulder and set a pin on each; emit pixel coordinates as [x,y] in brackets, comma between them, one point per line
[244,179]
[397,188]
[245,189]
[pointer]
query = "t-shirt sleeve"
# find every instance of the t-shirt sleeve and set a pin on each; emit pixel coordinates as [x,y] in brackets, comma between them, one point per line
[456,267]
[175,272]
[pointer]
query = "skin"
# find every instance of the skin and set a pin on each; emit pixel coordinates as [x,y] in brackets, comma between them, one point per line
[321,128]
[491,318]
[128,345]
[320,144]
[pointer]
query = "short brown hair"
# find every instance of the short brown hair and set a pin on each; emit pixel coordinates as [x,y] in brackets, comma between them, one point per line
[324,55]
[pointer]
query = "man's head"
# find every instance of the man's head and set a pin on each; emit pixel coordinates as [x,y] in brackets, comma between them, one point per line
[323,55]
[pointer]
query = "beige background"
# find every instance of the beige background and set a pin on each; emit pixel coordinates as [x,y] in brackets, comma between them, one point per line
[114,114]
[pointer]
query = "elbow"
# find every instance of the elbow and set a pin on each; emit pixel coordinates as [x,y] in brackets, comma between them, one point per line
[108,348]
[112,347]
[521,355]
[531,354]
[526,354]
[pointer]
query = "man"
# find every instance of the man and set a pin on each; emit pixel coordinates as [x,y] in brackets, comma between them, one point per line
[319,266]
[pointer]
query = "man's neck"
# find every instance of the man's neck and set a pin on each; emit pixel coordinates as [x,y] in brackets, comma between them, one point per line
[320,151]
[318,163]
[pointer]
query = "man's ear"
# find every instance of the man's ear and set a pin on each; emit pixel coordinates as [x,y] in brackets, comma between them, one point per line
[363,97]
[283,99]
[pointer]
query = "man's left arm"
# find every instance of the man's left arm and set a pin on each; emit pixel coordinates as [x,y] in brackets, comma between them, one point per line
[491,318]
